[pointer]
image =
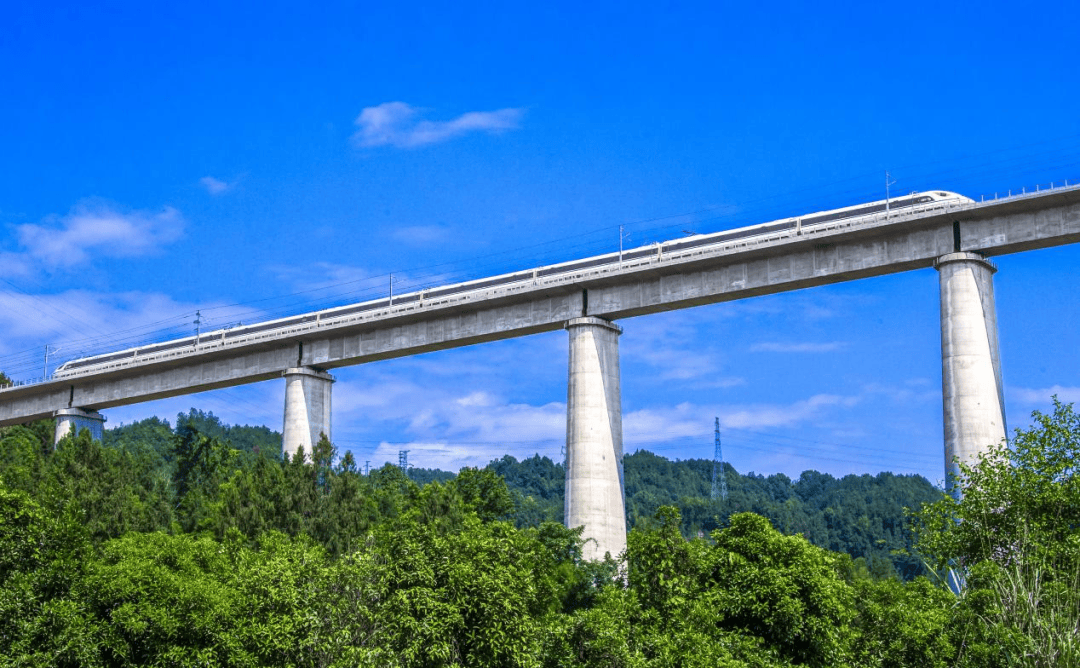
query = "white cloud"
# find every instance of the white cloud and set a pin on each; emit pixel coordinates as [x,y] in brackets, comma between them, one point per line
[916,390]
[255,404]
[214,186]
[97,229]
[685,365]
[776,347]
[398,124]
[665,344]
[87,322]
[418,235]
[658,425]
[753,417]
[444,414]
[1031,396]
[471,429]
[325,283]
[446,456]
[14,265]
[476,399]
[448,423]
[317,275]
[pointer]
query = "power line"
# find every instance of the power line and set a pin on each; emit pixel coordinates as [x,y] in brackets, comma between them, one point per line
[597,239]
[772,440]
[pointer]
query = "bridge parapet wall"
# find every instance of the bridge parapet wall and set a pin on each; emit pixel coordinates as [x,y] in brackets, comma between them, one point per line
[760,268]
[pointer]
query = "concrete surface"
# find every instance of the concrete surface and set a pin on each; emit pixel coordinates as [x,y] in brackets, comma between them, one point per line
[307,409]
[594,468]
[764,266]
[70,420]
[972,393]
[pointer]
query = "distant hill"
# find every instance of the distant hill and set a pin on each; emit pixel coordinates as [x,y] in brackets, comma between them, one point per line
[861,515]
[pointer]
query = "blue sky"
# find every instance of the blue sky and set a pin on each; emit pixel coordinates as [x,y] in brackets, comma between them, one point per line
[253,160]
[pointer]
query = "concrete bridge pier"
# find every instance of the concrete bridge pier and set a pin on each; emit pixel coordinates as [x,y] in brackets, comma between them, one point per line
[974,403]
[307,409]
[594,469]
[74,420]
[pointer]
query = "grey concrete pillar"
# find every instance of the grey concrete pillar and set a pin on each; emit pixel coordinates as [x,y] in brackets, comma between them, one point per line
[974,403]
[594,469]
[307,409]
[74,420]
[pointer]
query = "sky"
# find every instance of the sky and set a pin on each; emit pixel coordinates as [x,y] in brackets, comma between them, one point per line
[243,161]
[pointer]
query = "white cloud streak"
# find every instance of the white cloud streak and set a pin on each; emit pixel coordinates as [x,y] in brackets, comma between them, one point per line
[663,344]
[657,425]
[1033,396]
[318,275]
[255,404]
[446,409]
[87,322]
[917,390]
[421,235]
[15,265]
[399,124]
[96,229]
[214,186]
[448,427]
[806,347]
[324,283]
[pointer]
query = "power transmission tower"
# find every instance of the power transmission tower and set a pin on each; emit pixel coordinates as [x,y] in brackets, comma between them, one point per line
[719,480]
[403,461]
[367,467]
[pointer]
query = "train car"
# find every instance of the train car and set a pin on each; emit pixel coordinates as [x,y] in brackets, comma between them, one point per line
[912,203]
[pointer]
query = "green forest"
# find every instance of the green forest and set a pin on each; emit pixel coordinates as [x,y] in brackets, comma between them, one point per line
[195,544]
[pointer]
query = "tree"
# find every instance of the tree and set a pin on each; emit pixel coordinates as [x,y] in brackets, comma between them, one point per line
[484,492]
[20,458]
[902,624]
[754,596]
[109,491]
[1013,536]
[200,460]
[41,557]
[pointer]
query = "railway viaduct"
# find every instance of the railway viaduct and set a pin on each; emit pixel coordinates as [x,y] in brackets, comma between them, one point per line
[956,240]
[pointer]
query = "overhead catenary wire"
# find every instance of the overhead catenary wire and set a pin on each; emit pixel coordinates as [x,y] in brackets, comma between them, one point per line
[772,444]
[369,287]
[422,447]
[78,322]
[590,241]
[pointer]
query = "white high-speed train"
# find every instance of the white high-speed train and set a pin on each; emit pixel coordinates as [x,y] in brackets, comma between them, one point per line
[912,203]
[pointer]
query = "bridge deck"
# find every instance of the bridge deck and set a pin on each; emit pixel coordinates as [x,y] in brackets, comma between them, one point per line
[767,264]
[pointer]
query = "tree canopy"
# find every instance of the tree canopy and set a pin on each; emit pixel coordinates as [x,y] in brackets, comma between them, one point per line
[167,546]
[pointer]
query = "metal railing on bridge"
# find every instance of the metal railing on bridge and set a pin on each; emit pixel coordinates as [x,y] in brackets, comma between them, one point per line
[217,340]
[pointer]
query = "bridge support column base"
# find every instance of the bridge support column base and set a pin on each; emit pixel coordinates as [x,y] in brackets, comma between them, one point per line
[74,420]
[974,403]
[594,449]
[307,409]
